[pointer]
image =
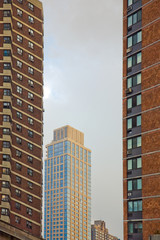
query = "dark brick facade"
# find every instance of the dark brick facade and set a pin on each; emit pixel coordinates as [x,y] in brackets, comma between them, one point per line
[24,113]
[149,88]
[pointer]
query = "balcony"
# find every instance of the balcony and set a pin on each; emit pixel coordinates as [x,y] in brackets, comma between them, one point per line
[7,138]
[5,218]
[6,124]
[6,164]
[6,151]
[6,177]
[5,205]
[7,98]
[6,191]
[7,58]
[7,85]
[7,72]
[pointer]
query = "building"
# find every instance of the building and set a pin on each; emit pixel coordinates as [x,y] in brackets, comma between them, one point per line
[141,118]
[67,195]
[21,114]
[99,231]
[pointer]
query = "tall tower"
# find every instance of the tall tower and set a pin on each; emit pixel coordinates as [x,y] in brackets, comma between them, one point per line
[21,113]
[67,199]
[141,118]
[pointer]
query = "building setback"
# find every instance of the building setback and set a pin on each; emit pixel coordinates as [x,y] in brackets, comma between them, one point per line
[21,114]
[67,195]
[99,231]
[141,118]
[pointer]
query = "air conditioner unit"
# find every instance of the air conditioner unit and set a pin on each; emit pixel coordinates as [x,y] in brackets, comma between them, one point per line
[129,69]
[129,50]
[130,28]
[129,90]
[129,151]
[129,194]
[129,8]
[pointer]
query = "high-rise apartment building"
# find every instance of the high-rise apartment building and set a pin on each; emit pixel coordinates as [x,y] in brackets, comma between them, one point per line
[141,118]
[67,195]
[100,232]
[21,108]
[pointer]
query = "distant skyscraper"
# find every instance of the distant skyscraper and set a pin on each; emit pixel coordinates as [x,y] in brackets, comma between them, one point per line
[21,116]
[141,118]
[100,232]
[67,196]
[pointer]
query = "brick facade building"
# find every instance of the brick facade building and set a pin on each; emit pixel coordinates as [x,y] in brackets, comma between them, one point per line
[21,113]
[141,118]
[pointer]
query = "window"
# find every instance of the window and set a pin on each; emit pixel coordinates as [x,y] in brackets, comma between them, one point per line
[17,219]
[19,51]
[6,13]
[134,39]
[7,53]
[29,211]
[19,25]
[30,45]
[29,198]
[18,179]
[19,12]
[18,166]
[6,78]
[6,105]
[7,92]
[30,159]
[6,144]
[134,18]
[135,227]
[30,146]
[18,206]
[19,77]
[7,65]
[30,172]
[30,95]
[18,140]
[134,122]
[19,127]
[5,211]
[135,163]
[30,108]
[20,1]
[135,184]
[19,89]
[5,184]
[31,58]
[30,185]
[7,39]
[19,64]
[6,171]
[30,121]
[134,101]
[28,224]
[134,60]
[30,70]
[30,83]
[30,19]
[19,102]
[30,133]
[18,193]
[6,157]
[19,115]
[18,153]
[130,2]
[5,198]
[134,80]
[7,26]
[134,142]
[31,32]
[31,6]
[6,118]
[6,1]
[19,38]
[6,131]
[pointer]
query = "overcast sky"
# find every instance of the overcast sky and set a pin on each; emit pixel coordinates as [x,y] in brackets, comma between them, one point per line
[83,84]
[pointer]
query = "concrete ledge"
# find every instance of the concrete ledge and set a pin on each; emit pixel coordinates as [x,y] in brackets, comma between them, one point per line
[155,237]
[8,232]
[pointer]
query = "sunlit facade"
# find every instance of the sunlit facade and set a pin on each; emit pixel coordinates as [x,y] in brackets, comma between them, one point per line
[67,196]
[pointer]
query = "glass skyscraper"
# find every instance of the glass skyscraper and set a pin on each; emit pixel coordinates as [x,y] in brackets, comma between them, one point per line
[67,195]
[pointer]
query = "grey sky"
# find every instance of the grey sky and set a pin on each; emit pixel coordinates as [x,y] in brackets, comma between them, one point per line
[82,73]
